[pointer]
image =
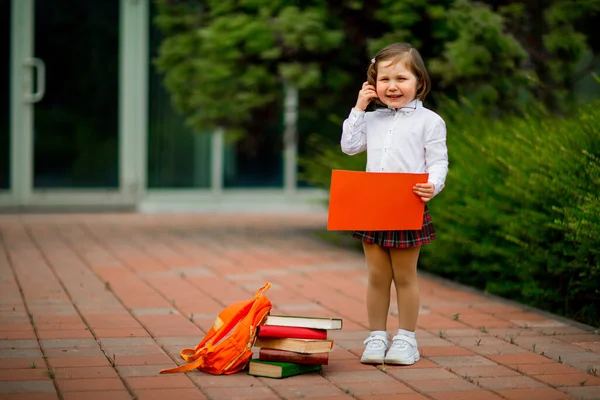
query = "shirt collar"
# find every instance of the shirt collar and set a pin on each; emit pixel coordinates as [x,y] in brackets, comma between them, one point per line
[407,109]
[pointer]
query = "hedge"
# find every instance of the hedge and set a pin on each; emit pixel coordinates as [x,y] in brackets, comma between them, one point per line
[520,214]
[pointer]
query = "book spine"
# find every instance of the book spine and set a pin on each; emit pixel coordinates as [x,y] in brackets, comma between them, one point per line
[293,357]
[291,332]
[297,369]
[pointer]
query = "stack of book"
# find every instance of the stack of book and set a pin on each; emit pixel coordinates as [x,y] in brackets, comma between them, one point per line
[292,345]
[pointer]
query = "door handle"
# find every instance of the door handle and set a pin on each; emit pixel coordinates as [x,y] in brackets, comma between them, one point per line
[40,69]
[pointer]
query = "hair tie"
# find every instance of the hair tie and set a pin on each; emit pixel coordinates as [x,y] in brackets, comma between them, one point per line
[372,61]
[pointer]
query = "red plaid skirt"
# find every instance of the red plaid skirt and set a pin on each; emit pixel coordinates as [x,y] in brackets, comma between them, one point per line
[400,239]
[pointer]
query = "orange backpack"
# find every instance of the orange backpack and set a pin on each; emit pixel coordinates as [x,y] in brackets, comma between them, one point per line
[227,347]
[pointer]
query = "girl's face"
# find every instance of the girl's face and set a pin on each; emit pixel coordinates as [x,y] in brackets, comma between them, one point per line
[396,84]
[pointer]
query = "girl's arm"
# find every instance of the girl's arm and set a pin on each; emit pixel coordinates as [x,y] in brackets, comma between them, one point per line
[436,155]
[354,133]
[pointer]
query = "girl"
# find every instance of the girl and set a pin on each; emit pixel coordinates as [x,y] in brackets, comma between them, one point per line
[399,136]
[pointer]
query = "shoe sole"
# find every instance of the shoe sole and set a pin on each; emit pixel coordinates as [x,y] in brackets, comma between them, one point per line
[409,361]
[371,361]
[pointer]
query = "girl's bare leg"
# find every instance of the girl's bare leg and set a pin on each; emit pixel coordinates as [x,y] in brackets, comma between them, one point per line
[404,267]
[379,266]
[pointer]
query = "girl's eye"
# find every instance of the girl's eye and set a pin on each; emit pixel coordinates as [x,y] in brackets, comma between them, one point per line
[384,79]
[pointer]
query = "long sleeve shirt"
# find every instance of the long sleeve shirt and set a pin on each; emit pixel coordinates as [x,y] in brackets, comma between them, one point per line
[410,139]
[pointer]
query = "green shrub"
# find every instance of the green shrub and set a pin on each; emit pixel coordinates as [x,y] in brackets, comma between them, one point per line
[520,215]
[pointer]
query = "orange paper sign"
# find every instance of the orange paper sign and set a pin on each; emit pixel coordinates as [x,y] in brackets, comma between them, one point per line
[375,201]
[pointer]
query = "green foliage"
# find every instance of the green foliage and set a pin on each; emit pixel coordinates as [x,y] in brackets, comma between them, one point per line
[520,215]
[483,60]
[226,61]
[514,219]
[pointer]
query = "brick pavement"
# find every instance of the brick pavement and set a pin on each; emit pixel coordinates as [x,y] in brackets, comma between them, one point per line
[93,306]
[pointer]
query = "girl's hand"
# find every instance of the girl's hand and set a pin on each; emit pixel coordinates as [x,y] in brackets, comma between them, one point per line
[366,94]
[424,190]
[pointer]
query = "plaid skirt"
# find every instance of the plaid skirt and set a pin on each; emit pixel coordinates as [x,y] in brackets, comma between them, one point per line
[400,239]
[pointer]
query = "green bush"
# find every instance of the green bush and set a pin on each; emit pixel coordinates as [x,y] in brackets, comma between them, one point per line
[520,215]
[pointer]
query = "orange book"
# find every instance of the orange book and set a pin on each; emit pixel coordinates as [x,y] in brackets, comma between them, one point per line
[375,201]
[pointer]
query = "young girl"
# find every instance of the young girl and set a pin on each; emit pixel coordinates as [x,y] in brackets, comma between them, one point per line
[399,136]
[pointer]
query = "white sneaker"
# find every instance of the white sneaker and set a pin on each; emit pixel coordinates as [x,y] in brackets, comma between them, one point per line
[375,350]
[403,351]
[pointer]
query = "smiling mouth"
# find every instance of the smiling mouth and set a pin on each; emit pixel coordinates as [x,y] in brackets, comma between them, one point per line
[395,96]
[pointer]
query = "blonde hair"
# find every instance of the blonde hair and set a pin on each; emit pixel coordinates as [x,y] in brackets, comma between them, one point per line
[410,56]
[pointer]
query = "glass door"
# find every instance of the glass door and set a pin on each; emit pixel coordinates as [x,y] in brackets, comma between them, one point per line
[75,126]
[66,133]
[5,141]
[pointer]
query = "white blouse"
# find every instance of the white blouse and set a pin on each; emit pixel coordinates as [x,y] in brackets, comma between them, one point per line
[408,139]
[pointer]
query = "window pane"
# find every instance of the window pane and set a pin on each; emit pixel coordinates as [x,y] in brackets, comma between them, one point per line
[76,123]
[177,156]
[256,160]
[5,95]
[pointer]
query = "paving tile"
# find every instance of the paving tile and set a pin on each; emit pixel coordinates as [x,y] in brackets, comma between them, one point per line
[300,380]
[338,377]
[528,358]
[466,332]
[496,349]
[464,337]
[38,374]
[22,363]
[342,397]
[347,365]
[533,394]
[295,391]
[17,335]
[57,343]
[544,368]
[29,396]
[159,382]
[85,372]
[411,396]
[484,371]
[90,385]
[83,361]
[20,353]
[583,392]
[374,388]
[41,386]
[148,359]
[508,382]
[422,373]
[468,395]
[18,344]
[66,334]
[437,351]
[422,363]
[441,385]
[128,341]
[74,352]
[98,395]
[161,394]
[141,370]
[205,380]
[580,379]
[240,393]
[461,361]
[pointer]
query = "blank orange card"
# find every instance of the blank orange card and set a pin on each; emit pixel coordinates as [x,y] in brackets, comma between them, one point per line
[375,201]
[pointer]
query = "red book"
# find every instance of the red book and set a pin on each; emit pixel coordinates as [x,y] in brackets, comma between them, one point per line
[290,356]
[291,332]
